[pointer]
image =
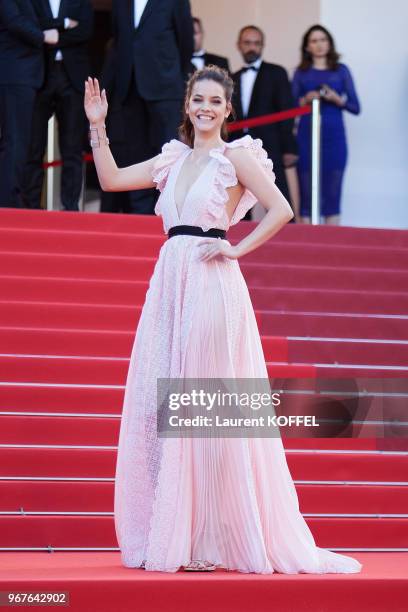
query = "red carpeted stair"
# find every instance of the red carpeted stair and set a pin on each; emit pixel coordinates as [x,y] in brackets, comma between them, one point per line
[329,301]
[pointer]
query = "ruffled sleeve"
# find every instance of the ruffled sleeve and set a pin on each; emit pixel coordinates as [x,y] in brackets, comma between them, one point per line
[248,199]
[170,153]
[215,215]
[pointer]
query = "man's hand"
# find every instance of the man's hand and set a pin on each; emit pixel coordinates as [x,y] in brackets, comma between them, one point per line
[51,37]
[71,23]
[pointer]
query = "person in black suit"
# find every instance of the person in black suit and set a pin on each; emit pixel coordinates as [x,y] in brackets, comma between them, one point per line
[21,74]
[153,44]
[262,88]
[67,68]
[200,56]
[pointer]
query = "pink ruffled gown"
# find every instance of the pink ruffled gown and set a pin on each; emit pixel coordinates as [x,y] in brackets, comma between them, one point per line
[231,501]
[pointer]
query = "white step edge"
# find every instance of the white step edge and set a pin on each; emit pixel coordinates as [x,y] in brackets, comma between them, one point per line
[82,415]
[44,478]
[105,447]
[131,332]
[132,308]
[287,450]
[116,549]
[353,366]
[23,512]
[59,385]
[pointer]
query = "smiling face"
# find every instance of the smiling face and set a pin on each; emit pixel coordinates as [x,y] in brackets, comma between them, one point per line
[318,44]
[207,107]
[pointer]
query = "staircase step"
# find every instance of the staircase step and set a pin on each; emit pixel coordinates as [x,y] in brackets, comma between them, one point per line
[18,288]
[150,224]
[57,462]
[334,301]
[41,398]
[94,496]
[272,274]
[310,350]
[275,251]
[113,370]
[115,317]
[85,462]
[99,531]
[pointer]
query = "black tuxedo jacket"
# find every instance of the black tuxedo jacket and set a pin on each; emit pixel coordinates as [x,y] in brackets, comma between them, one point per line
[21,43]
[210,58]
[218,60]
[158,51]
[271,93]
[73,42]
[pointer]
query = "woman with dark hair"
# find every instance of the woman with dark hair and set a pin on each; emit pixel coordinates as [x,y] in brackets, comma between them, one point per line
[202,502]
[320,75]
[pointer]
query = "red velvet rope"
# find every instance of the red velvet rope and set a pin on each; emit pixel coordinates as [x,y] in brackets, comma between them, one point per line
[272,118]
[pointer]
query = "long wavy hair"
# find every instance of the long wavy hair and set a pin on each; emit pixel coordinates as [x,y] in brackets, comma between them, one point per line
[208,73]
[307,59]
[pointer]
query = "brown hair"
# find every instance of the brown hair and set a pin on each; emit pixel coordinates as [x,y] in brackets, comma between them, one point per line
[252,27]
[208,73]
[332,55]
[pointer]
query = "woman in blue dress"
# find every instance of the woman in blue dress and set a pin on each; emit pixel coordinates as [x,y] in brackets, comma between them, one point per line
[321,75]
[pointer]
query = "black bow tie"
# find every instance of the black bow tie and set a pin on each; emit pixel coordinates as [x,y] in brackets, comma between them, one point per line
[246,68]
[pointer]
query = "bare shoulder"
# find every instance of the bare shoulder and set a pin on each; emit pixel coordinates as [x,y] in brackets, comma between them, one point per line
[240,156]
[247,166]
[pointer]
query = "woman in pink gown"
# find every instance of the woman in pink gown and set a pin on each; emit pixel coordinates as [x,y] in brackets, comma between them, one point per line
[202,503]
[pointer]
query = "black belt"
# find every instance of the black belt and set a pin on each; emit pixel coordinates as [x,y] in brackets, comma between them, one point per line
[192,230]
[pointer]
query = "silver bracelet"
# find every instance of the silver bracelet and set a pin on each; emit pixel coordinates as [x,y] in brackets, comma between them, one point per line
[95,140]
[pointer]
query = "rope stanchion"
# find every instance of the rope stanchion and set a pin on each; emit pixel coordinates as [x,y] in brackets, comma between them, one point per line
[315,175]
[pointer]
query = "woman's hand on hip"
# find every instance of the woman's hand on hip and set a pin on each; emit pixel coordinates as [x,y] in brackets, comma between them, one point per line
[211,248]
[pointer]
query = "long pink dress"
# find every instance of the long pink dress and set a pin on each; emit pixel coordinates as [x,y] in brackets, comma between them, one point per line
[231,501]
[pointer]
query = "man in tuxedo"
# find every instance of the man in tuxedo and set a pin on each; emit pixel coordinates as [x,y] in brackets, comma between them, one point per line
[66,69]
[262,88]
[153,44]
[200,56]
[21,74]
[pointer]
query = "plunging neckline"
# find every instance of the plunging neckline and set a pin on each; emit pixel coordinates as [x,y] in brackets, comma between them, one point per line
[193,184]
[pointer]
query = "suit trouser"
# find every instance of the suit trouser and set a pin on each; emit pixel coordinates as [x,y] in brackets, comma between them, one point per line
[138,129]
[16,108]
[57,96]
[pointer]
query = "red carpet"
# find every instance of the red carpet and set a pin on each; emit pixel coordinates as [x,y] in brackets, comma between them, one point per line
[328,300]
[97,582]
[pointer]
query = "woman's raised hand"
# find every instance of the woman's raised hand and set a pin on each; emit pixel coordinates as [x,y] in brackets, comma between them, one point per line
[95,102]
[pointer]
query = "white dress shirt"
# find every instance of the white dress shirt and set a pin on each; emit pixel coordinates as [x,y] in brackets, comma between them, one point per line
[55,7]
[198,59]
[247,84]
[139,8]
